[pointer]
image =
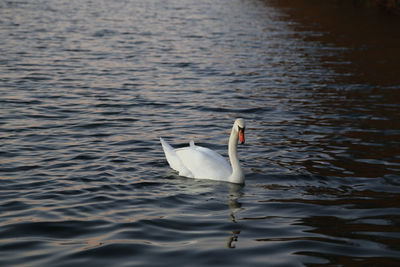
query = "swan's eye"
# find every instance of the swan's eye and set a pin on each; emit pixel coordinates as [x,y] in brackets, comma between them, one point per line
[241,129]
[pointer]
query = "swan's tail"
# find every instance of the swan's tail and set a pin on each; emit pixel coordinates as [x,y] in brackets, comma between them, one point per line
[165,145]
[173,160]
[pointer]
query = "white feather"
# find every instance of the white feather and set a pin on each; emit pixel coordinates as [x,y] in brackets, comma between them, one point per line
[203,163]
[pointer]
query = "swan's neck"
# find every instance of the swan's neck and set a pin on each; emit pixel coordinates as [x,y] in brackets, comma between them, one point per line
[237,175]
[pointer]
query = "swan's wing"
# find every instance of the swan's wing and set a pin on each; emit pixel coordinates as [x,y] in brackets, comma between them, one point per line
[173,160]
[204,163]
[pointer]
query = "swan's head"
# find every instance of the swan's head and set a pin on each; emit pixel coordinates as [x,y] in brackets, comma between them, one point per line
[240,127]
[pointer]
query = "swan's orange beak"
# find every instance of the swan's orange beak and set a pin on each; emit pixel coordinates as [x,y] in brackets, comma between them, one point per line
[241,136]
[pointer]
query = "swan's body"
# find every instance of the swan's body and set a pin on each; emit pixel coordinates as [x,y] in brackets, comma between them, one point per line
[203,163]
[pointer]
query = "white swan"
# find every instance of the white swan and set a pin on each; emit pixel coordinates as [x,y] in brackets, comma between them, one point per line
[203,163]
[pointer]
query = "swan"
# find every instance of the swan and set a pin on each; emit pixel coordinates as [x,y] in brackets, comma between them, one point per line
[203,163]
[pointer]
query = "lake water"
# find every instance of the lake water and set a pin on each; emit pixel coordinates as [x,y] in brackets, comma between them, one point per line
[88,87]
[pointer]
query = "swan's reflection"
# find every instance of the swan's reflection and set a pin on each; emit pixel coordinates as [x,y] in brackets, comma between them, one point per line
[233,239]
[234,205]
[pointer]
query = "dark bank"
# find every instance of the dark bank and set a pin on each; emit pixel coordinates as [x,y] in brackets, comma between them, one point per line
[366,37]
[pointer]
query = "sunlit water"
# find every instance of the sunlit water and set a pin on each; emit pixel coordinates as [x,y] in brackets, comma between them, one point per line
[88,87]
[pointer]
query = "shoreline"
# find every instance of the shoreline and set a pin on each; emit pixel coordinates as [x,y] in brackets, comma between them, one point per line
[390,6]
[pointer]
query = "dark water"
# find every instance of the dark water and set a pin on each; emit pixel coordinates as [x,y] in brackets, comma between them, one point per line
[87,87]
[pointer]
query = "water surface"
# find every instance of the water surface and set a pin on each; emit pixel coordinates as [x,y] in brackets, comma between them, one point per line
[88,87]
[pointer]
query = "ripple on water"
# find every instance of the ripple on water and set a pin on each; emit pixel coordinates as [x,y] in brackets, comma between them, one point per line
[87,90]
